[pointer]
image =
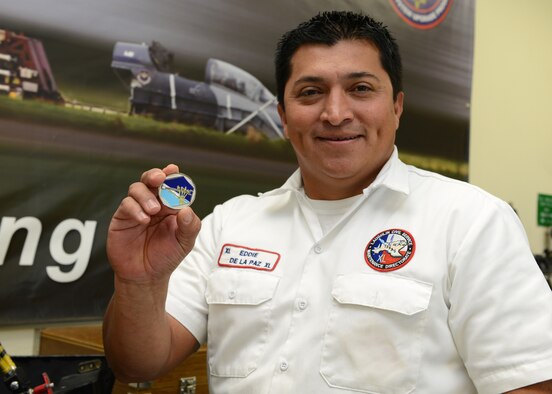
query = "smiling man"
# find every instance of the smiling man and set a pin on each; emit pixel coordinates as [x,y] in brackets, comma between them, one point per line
[359,274]
[341,117]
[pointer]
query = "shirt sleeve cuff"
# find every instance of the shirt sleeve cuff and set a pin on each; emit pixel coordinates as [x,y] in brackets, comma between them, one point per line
[193,321]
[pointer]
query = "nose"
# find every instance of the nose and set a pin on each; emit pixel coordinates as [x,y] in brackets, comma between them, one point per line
[337,108]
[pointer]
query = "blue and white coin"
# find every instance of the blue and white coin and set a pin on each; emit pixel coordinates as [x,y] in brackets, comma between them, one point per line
[178,191]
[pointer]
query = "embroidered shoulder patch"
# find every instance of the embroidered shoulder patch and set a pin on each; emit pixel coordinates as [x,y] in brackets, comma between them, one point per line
[422,14]
[244,257]
[390,250]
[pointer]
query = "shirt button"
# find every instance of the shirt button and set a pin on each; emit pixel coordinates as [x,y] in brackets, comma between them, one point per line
[317,248]
[284,366]
[231,294]
[302,304]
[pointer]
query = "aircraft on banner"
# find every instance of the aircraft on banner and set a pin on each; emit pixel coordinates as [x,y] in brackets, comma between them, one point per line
[229,99]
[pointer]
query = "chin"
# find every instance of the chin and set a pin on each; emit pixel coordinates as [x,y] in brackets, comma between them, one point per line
[339,172]
[339,167]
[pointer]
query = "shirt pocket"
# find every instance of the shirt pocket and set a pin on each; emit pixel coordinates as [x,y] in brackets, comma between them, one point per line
[374,333]
[240,316]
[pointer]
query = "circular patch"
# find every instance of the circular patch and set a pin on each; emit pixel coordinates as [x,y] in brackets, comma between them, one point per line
[422,14]
[178,191]
[143,77]
[390,250]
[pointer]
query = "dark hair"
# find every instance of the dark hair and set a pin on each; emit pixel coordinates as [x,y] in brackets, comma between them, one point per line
[331,27]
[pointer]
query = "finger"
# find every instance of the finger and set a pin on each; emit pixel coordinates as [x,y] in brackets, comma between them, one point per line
[130,212]
[188,228]
[171,169]
[145,197]
[153,177]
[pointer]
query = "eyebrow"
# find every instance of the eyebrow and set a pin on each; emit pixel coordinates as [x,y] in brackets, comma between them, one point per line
[362,74]
[353,75]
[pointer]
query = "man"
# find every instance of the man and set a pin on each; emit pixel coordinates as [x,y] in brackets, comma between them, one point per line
[359,274]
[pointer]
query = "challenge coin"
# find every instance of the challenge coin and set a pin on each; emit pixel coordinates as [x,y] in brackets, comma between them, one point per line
[178,191]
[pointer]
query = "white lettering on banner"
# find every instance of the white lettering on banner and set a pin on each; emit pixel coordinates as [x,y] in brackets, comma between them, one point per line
[243,257]
[9,226]
[78,259]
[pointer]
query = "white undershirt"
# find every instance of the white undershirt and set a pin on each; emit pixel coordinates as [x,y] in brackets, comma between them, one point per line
[330,211]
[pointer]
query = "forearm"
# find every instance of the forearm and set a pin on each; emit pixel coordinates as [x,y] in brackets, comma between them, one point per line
[137,331]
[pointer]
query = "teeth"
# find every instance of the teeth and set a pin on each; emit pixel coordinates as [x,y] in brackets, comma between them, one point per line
[338,138]
[344,139]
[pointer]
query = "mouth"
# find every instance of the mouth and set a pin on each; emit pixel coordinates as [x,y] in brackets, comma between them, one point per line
[338,138]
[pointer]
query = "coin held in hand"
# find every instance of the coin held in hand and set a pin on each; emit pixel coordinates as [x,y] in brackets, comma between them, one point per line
[177,191]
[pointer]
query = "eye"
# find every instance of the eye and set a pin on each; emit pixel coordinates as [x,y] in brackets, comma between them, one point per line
[362,88]
[306,92]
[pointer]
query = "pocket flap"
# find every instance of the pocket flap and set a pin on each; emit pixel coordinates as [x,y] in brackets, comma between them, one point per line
[390,292]
[240,287]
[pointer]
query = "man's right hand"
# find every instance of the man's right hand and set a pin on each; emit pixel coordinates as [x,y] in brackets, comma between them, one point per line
[146,240]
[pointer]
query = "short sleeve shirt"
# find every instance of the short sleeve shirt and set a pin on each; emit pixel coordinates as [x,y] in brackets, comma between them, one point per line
[426,284]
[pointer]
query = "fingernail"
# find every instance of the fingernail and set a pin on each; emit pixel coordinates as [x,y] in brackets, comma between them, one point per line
[187,217]
[152,204]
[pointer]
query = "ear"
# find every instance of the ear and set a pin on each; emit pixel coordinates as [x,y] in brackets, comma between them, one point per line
[283,118]
[398,108]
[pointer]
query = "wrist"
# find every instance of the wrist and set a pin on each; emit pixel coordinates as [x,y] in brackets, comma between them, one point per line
[132,295]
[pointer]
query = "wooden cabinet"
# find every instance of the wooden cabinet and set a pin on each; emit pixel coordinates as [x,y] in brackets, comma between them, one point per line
[87,340]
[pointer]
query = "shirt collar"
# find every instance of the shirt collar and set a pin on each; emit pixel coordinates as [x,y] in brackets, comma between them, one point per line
[393,176]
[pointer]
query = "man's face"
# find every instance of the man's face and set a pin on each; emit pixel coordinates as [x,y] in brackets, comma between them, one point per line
[339,116]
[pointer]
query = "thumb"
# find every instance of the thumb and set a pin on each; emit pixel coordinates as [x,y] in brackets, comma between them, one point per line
[188,227]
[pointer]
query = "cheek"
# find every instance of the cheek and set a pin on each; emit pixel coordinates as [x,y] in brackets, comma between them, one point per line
[381,118]
[297,125]
[299,115]
[296,139]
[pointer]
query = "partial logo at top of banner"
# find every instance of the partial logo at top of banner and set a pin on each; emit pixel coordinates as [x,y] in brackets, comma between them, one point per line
[422,14]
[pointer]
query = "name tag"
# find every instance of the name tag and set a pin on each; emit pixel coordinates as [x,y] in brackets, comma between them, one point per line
[243,257]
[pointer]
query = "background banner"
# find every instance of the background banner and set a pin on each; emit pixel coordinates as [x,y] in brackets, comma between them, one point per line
[94,93]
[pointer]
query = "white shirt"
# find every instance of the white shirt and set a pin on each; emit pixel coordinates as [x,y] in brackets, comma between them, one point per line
[329,212]
[452,301]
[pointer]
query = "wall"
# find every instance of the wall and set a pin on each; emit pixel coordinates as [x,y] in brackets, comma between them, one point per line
[511,126]
[20,341]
